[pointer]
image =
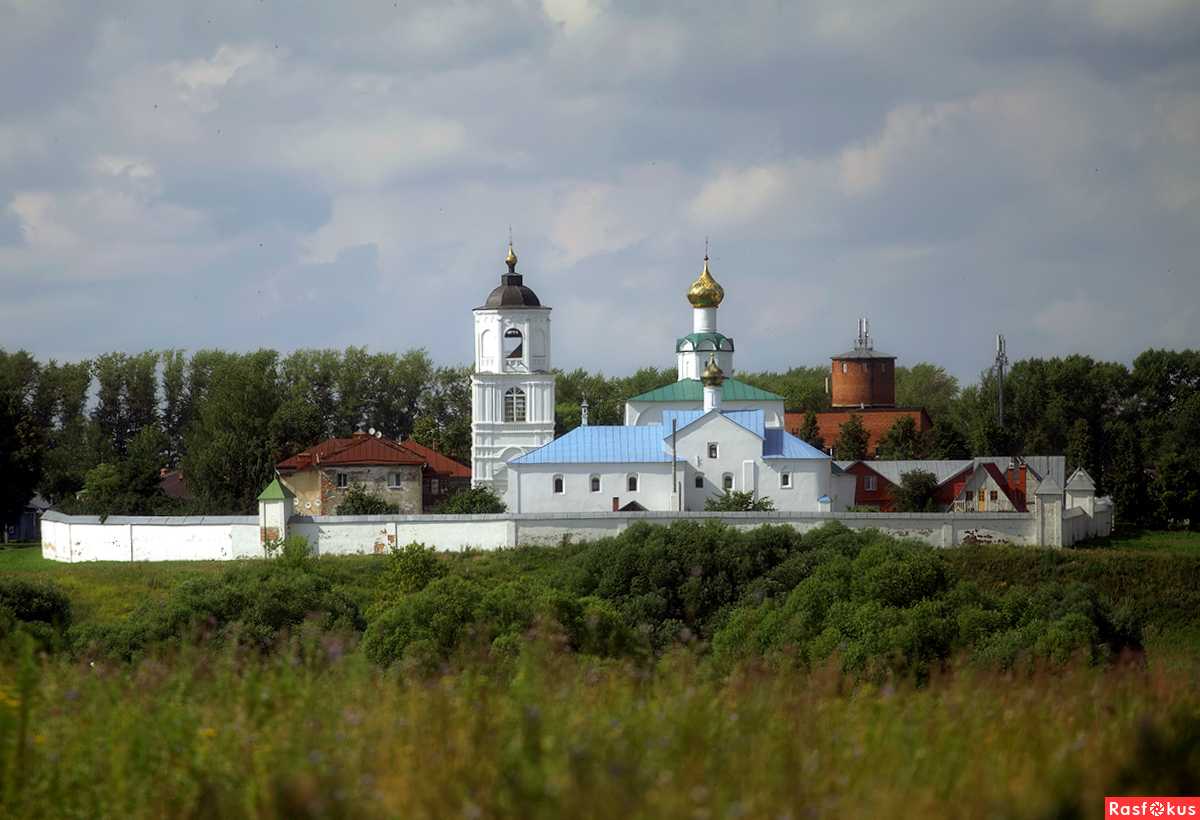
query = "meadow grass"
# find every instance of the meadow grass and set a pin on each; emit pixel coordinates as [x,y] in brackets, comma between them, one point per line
[309,727]
[315,731]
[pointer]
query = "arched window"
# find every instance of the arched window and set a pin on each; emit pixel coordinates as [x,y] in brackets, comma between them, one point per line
[595,483]
[558,485]
[513,344]
[514,404]
[631,483]
[700,481]
[727,481]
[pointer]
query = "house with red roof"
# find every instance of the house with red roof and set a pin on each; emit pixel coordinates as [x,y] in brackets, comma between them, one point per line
[986,484]
[405,473]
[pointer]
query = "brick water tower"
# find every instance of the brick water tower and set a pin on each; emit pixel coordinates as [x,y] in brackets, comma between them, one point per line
[864,377]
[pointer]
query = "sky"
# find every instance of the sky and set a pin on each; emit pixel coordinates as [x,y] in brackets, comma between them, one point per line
[273,173]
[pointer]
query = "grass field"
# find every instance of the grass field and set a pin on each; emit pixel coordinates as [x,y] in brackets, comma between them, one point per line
[311,728]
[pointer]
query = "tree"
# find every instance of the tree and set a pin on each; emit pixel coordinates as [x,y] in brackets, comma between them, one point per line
[735,501]
[810,430]
[472,501]
[359,501]
[853,439]
[174,419]
[903,441]
[444,414]
[22,433]
[1175,494]
[916,492]
[230,457]
[1079,447]
[926,385]
[1126,476]
[948,442]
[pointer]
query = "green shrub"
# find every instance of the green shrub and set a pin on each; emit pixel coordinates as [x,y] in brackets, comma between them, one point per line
[472,501]
[359,501]
[30,601]
[885,606]
[254,603]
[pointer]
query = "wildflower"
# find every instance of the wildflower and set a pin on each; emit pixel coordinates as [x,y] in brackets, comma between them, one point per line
[207,732]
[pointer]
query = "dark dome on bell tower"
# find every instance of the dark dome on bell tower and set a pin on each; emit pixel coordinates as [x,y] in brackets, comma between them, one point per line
[511,292]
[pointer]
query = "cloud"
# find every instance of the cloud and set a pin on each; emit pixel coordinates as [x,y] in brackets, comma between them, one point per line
[949,169]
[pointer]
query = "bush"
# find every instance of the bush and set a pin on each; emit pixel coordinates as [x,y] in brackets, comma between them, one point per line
[472,501]
[254,603]
[886,606]
[41,602]
[735,501]
[360,502]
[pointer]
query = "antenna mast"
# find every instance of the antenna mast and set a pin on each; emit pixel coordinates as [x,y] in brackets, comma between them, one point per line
[1001,363]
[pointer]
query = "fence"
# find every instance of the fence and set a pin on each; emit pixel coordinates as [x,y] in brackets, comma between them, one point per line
[219,538]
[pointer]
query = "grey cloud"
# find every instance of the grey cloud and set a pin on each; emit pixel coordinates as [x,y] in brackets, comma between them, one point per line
[329,174]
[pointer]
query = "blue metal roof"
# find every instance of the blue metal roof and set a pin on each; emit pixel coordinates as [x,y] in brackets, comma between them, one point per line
[752,420]
[602,445]
[782,444]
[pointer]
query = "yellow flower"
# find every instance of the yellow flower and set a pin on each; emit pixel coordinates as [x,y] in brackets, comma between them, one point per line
[207,732]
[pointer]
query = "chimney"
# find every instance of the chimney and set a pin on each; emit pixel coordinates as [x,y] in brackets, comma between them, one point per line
[583,413]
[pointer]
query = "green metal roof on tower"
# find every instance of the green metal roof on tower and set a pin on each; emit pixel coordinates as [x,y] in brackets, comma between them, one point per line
[693,390]
[275,492]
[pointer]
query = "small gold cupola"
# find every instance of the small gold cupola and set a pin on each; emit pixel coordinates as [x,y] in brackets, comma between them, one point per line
[705,292]
[713,375]
[511,259]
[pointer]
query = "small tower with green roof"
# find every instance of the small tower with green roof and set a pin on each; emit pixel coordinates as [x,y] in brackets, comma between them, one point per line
[275,504]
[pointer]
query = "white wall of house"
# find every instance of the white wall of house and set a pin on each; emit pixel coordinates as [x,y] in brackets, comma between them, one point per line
[532,487]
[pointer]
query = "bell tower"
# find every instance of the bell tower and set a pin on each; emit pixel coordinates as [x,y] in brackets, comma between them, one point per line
[512,389]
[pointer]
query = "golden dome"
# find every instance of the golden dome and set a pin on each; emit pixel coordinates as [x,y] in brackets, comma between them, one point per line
[705,292]
[511,259]
[713,375]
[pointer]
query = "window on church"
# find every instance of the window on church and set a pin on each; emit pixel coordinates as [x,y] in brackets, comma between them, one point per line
[558,485]
[513,344]
[712,449]
[343,481]
[514,404]
[595,482]
[727,482]
[699,482]
[631,483]
[785,480]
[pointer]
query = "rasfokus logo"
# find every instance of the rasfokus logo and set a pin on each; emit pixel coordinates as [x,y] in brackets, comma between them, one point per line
[1152,807]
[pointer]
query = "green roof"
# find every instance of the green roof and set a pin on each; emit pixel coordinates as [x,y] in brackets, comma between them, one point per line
[692,390]
[704,341]
[275,492]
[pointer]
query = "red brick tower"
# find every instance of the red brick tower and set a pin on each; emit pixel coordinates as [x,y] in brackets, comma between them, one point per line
[864,377]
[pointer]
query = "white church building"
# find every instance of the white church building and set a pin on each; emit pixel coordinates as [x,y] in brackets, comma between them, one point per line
[681,444]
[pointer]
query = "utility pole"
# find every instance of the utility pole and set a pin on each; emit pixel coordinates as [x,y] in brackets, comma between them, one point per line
[1001,363]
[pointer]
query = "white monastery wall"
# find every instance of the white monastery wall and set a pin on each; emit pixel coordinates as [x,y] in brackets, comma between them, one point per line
[83,538]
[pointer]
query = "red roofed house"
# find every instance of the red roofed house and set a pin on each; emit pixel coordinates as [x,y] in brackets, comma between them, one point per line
[404,473]
[992,484]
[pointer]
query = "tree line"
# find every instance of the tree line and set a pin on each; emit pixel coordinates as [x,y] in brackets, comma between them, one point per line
[93,436]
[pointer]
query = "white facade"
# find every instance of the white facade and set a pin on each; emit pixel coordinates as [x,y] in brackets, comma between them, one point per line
[512,389]
[596,487]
